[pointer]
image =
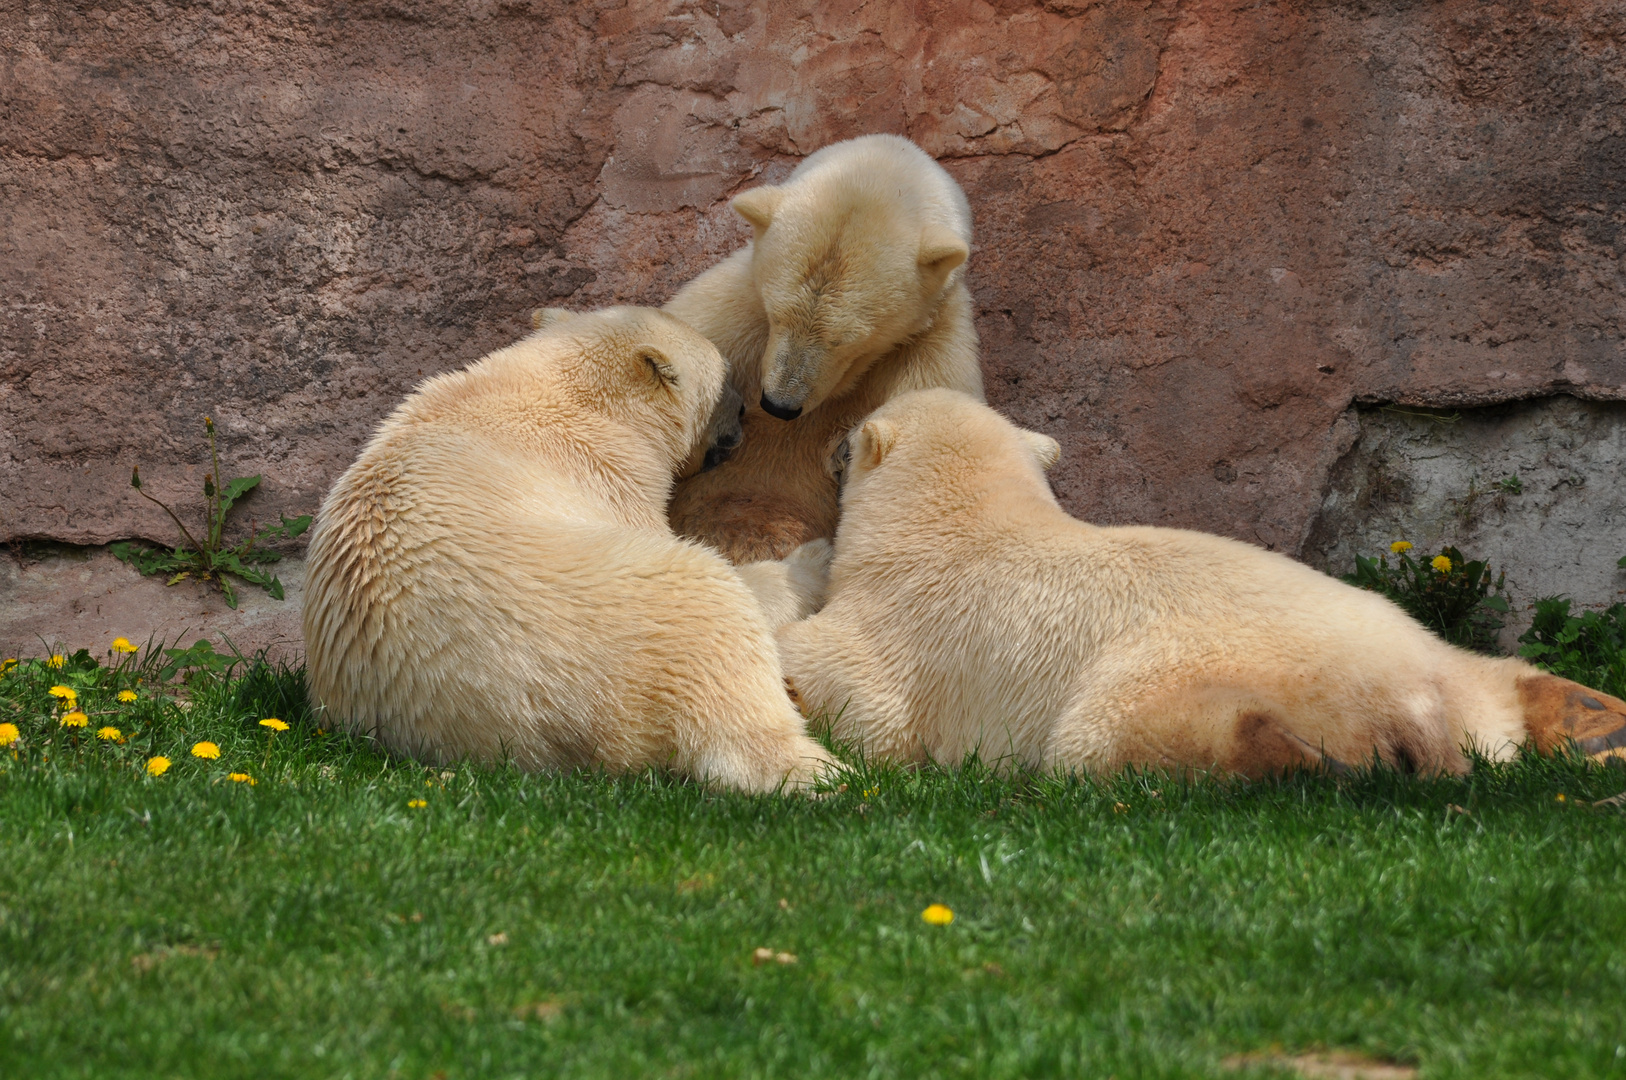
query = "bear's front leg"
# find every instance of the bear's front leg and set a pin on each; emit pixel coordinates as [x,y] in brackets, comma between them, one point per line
[791,588]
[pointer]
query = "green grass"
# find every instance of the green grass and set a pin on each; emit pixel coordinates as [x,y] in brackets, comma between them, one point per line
[315,924]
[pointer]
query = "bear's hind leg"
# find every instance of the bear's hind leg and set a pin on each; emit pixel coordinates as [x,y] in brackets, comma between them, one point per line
[1250,730]
[1557,711]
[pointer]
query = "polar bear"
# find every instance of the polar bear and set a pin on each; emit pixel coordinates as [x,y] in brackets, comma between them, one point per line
[495,576]
[967,611]
[851,291]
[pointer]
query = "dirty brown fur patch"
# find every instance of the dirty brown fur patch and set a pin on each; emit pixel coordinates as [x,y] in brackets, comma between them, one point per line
[1263,747]
[739,528]
[1557,711]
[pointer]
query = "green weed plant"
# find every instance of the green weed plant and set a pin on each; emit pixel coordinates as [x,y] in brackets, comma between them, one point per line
[209,560]
[1589,647]
[1454,596]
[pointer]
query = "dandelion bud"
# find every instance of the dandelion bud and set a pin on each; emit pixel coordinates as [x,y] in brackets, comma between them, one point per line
[208,425]
[208,487]
[135,477]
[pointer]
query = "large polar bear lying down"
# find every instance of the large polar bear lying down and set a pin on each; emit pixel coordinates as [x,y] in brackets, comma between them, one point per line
[967,611]
[495,575]
[851,291]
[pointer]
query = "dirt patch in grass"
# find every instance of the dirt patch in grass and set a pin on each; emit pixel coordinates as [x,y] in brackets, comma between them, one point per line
[1329,1065]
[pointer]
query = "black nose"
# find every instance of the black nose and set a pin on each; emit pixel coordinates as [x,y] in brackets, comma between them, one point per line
[779,412]
[715,456]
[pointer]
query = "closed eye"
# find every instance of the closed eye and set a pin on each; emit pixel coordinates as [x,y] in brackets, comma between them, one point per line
[664,373]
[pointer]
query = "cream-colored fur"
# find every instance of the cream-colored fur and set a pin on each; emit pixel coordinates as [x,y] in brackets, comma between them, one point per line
[791,588]
[851,291]
[495,575]
[968,612]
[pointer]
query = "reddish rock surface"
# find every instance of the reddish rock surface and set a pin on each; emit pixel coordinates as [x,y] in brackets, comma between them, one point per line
[1203,229]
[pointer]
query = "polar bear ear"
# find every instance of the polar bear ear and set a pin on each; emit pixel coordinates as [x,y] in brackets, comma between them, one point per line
[758,205]
[1046,449]
[658,365]
[879,437]
[940,252]
[544,317]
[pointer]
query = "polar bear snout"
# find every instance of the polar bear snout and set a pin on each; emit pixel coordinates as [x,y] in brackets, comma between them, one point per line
[720,452]
[778,411]
[726,429]
[794,367]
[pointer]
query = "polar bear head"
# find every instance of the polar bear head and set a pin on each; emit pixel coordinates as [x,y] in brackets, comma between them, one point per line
[651,371]
[851,256]
[936,443]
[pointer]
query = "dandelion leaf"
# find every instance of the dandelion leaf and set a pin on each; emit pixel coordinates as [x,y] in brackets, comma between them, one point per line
[236,489]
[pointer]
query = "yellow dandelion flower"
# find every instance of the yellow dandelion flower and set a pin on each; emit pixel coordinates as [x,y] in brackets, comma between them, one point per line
[938,915]
[67,693]
[7,665]
[127,695]
[75,719]
[240,778]
[9,734]
[56,661]
[207,750]
[111,733]
[1441,563]
[122,645]
[274,724]
[157,766]
[1399,546]
[417,804]
[1562,799]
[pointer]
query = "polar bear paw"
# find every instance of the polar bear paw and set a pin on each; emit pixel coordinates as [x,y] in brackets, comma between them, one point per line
[809,570]
[1558,711]
[790,589]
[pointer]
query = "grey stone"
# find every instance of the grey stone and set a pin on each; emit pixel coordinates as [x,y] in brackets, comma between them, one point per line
[1536,487]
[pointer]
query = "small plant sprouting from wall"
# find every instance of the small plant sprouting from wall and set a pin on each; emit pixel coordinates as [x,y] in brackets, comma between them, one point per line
[1454,596]
[211,559]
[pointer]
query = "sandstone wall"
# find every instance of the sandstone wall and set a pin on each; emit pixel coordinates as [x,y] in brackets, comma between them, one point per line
[1204,229]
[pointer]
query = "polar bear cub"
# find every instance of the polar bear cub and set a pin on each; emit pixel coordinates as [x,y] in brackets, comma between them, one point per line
[967,611]
[851,291]
[495,576]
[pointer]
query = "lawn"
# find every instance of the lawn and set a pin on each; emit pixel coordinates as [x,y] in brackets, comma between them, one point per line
[349,915]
